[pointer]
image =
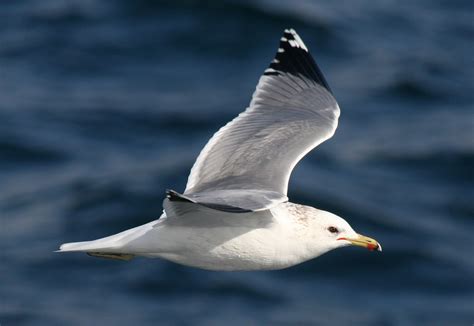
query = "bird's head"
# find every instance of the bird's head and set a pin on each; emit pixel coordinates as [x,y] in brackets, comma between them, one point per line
[329,231]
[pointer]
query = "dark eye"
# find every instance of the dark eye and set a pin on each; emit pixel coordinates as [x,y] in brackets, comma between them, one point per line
[333,229]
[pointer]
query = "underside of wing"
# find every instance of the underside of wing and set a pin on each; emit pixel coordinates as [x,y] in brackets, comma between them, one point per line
[291,112]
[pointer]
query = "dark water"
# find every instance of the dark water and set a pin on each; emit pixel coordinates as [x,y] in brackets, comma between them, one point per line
[105,104]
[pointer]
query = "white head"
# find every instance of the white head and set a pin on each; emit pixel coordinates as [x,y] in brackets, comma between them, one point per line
[325,231]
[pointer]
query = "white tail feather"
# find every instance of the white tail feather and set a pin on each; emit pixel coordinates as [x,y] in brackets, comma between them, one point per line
[112,244]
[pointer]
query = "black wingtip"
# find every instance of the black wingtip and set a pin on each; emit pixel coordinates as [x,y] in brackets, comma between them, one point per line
[293,57]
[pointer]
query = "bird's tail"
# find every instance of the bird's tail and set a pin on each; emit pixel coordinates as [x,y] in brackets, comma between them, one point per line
[96,248]
[114,246]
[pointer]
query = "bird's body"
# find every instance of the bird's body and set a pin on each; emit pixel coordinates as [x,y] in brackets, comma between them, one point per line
[234,213]
[272,239]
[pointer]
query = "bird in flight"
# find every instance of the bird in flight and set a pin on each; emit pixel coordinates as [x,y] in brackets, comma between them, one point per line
[234,213]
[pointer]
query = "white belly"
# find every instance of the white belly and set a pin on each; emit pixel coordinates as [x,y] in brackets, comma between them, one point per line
[224,242]
[256,250]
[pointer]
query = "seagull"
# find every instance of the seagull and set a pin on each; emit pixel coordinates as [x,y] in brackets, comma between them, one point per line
[234,213]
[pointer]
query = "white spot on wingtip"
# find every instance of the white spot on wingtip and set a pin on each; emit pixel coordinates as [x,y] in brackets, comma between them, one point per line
[293,44]
[276,61]
[299,41]
[280,50]
[270,70]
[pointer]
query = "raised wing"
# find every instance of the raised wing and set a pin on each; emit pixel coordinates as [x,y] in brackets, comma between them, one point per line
[291,112]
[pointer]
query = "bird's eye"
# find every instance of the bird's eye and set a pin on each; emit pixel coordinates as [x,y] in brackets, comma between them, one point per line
[333,229]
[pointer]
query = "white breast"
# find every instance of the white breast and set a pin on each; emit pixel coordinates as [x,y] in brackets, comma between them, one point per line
[250,241]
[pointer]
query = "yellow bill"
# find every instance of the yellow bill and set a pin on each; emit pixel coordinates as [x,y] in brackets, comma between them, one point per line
[363,241]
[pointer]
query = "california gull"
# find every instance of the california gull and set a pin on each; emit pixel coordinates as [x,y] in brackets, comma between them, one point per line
[234,213]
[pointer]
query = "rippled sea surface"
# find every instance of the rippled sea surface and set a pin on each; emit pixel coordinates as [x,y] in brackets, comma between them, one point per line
[105,104]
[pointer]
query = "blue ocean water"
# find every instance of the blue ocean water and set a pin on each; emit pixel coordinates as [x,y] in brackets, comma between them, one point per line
[105,104]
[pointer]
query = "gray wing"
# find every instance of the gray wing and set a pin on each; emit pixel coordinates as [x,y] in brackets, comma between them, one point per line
[291,112]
